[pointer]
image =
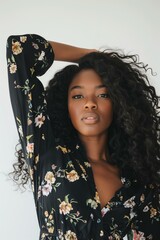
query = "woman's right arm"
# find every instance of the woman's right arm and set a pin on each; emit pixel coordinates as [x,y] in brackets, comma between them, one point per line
[29,56]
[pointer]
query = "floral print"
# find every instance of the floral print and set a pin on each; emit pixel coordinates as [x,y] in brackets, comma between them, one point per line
[16,48]
[136,235]
[39,120]
[23,39]
[13,68]
[70,235]
[49,219]
[50,178]
[30,147]
[72,176]
[46,189]
[93,203]
[66,208]
[129,203]
[67,201]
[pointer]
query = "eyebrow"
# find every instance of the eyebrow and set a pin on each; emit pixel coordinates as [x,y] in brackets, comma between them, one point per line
[81,87]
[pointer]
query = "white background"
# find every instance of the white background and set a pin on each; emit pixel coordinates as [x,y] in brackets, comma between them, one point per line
[133,26]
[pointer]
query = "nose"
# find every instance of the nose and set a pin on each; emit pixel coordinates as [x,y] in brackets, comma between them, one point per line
[90,104]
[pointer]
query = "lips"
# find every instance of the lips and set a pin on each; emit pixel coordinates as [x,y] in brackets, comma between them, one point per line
[90,118]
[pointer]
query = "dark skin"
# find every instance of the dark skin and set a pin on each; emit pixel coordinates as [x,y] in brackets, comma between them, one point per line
[91,113]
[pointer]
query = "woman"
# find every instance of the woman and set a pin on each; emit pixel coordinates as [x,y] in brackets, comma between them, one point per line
[91,141]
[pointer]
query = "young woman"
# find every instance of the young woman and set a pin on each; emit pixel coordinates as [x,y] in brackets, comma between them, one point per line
[90,141]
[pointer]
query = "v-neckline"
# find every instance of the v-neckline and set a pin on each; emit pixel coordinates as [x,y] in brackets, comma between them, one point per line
[91,178]
[83,158]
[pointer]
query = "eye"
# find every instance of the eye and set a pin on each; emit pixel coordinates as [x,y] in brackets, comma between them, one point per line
[103,95]
[77,96]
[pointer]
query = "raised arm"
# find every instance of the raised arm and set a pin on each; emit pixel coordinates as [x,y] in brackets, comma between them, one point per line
[68,53]
[29,56]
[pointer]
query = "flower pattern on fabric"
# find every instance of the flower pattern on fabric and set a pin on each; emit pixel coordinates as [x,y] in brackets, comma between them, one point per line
[70,235]
[66,207]
[16,48]
[67,201]
[39,120]
[93,203]
[72,176]
[49,219]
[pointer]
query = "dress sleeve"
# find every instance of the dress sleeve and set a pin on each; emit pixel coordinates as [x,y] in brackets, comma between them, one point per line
[148,216]
[29,56]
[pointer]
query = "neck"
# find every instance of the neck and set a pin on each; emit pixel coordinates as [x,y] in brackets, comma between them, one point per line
[95,148]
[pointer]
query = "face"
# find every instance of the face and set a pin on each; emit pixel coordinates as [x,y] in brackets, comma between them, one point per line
[90,108]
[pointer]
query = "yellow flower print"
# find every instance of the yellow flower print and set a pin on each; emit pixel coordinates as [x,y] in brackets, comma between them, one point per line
[63,149]
[13,68]
[51,229]
[70,235]
[65,207]
[23,39]
[16,48]
[153,212]
[72,176]
[50,178]
[49,220]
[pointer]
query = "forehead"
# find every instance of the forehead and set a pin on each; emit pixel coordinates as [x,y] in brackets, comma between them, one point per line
[85,78]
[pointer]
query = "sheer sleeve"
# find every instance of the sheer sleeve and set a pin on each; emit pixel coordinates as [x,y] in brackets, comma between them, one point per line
[29,56]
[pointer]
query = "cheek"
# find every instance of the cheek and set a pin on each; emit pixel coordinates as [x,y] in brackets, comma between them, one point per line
[107,112]
[74,113]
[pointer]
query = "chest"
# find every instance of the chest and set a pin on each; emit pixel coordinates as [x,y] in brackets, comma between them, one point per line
[107,181]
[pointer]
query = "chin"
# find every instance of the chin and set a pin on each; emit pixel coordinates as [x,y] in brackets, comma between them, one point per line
[92,133]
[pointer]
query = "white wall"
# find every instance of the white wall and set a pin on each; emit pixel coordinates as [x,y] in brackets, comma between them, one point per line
[133,26]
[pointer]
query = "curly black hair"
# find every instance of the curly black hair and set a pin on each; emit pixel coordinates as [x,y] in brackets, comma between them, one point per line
[134,134]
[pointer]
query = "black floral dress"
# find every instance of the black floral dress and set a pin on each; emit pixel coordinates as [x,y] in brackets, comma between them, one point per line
[66,199]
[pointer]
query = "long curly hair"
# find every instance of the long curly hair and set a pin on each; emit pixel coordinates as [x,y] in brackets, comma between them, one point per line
[134,134]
